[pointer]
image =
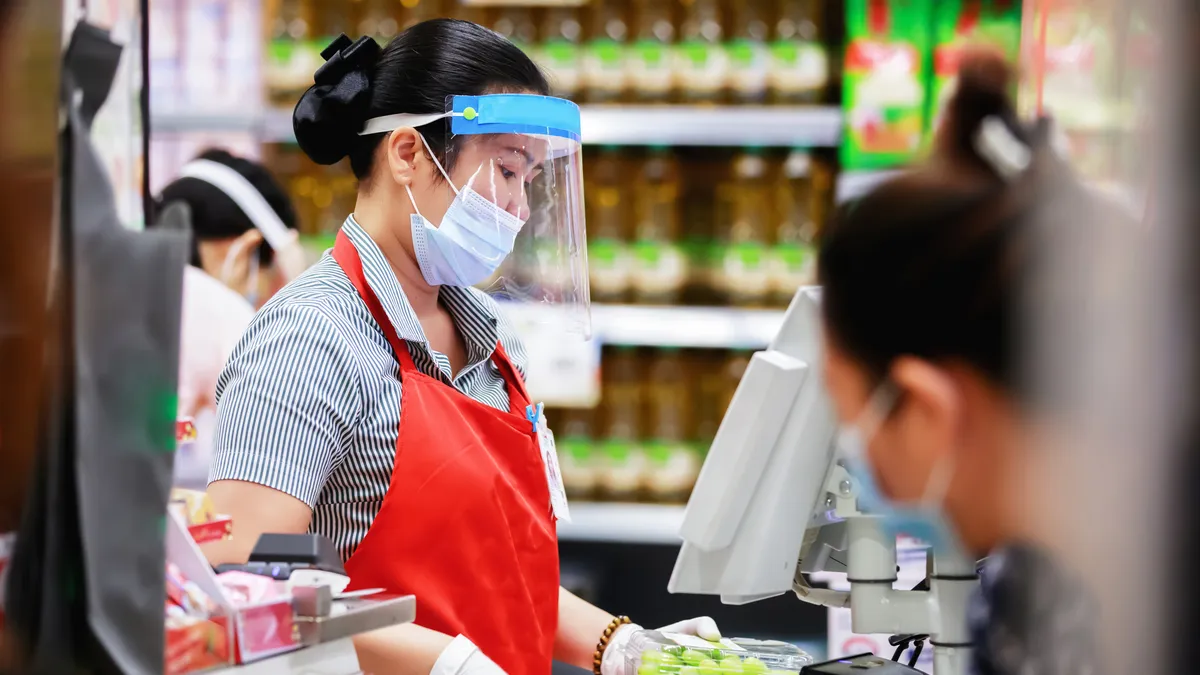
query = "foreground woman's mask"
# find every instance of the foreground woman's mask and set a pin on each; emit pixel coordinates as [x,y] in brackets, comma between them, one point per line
[924,520]
[474,238]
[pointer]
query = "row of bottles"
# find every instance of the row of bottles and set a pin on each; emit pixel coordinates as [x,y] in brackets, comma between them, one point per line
[711,229]
[650,51]
[659,411]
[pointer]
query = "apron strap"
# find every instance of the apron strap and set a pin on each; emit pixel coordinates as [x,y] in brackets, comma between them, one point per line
[347,258]
[518,398]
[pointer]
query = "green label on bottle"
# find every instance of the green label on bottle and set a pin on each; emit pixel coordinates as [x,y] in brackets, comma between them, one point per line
[608,52]
[617,451]
[793,256]
[659,452]
[696,51]
[578,448]
[751,255]
[786,51]
[649,252]
[606,252]
[280,51]
[742,52]
[562,52]
[651,52]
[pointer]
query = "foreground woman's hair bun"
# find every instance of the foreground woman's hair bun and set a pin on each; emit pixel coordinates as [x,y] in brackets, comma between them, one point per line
[332,112]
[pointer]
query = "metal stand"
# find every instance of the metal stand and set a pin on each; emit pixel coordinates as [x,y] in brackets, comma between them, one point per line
[940,611]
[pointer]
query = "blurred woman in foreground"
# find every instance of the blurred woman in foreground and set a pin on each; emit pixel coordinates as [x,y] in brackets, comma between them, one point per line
[923,283]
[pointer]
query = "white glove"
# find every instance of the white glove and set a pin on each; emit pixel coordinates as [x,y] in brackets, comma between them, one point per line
[616,661]
[462,657]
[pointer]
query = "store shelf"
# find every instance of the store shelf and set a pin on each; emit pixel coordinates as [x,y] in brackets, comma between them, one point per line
[810,126]
[696,327]
[623,523]
[807,126]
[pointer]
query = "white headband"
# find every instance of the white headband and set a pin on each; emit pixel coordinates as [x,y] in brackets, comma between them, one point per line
[277,235]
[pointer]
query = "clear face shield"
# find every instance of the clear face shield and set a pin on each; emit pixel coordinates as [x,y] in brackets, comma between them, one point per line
[515,228]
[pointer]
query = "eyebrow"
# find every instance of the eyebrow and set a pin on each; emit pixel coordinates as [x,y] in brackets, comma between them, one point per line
[522,151]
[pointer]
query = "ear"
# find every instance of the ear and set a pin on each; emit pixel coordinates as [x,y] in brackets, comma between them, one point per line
[929,416]
[403,146]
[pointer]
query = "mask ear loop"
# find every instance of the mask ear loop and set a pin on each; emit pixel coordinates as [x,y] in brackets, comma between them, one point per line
[436,163]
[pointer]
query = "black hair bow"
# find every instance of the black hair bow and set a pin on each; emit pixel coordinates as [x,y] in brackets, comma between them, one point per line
[330,114]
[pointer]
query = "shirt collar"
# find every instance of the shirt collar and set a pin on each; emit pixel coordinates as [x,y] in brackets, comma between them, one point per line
[473,314]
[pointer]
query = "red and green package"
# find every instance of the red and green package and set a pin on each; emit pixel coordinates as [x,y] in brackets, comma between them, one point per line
[961,23]
[885,81]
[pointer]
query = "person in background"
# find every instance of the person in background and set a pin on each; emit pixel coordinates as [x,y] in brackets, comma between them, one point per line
[923,282]
[242,222]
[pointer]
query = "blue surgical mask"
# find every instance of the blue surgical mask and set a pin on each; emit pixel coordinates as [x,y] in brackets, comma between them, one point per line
[924,520]
[474,238]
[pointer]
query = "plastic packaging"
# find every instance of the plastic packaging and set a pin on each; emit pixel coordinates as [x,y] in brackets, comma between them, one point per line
[652,652]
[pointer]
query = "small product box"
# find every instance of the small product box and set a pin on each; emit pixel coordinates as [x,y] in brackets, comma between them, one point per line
[656,653]
[885,81]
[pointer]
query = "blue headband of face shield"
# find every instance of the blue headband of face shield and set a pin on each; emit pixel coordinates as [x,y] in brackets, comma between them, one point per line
[555,120]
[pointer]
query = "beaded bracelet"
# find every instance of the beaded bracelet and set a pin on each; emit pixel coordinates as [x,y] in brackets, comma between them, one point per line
[604,640]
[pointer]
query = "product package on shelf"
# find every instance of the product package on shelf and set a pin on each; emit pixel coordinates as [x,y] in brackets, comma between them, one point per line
[652,652]
[885,81]
[197,512]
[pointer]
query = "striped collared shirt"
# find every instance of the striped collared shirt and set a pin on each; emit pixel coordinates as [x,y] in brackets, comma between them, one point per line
[309,402]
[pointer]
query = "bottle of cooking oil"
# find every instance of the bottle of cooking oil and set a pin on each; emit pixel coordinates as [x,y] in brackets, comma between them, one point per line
[799,58]
[701,64]
[749,56]
[608,226]
[561,51]
[731,374]
[623,464]
[650,71]
[659,265]
[416,11]
[604,76]
[379,20]
[672,463]
[744,275]
[576,451]
[792,256]
[292,54]
[517,24]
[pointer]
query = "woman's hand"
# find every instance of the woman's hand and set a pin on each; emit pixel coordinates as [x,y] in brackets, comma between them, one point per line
[616,655]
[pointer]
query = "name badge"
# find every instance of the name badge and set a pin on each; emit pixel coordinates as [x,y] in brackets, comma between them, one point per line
[554,479]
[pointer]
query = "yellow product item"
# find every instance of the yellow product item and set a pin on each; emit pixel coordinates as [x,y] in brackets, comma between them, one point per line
[195,506]
[744,274]
[660,267]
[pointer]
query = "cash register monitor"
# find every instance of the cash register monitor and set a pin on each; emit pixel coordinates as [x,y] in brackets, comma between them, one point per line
[763,483]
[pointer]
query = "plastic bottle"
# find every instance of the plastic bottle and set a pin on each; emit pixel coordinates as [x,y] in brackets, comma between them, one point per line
[623,463]
[379,21]
[560,52]
[701,64]
[799,70]
[749,56]
[659,268]
[576,450]
[290,55]
[604,66]
[792,256]
[416,11]
[650,71]
[608,226]
[744,275]
[517,24]
[673,464]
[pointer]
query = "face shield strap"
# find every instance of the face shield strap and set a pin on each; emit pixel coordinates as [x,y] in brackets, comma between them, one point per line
[247,197]
[381,125]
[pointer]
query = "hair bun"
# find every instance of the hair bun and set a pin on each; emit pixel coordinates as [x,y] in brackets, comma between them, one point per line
[984,82]
[330,114]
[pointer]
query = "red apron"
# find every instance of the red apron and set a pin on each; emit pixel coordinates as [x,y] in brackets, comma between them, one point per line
[466,525]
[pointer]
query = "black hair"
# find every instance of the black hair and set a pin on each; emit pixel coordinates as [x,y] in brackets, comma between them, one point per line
[215,215]
[415,73]
[932,264]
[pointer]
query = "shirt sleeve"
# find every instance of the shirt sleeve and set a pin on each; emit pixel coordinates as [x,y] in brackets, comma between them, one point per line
[287,401]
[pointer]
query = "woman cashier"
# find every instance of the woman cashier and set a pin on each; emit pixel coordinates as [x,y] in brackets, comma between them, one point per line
[379,398]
